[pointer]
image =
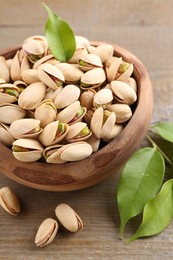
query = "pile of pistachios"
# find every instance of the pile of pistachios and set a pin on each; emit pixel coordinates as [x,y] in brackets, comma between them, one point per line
[58,112]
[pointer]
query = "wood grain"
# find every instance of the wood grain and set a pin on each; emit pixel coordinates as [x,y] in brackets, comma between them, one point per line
[143,27]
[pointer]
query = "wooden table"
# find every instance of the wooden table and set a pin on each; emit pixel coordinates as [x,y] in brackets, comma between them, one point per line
[146,29]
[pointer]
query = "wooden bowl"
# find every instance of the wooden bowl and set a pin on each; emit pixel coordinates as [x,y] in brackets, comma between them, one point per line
[97,167]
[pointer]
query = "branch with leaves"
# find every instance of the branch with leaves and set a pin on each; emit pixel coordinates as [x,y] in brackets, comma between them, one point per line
[142,187]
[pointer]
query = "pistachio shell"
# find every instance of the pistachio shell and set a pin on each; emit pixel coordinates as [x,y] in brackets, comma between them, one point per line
[94,142]
[48,73]
[9,201]
[20,84]
[88,115]
[34,49]
[80,49]
[86,98]
[43,60]
[19,64]
[52,93]
[51,154]
[4,71]
[116,129]
[33,150]
[2,81]
[89,61]
[10,113]
[125,76]
[46,232]
[80,40]
[75,151]
[103,98]
[30,76]
[132,83]
[5,137]
[36,91]
[8,97]
[70,72]
[42,40]
[50,134]
[68,114]
[93,78]
[46,112]
[123,112]
[68,217]
[74,133]
[68,95]
[123,92]
[25,128]
[104,51]
[111,72]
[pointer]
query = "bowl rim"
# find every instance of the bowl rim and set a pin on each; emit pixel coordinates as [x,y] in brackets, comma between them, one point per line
[101,164]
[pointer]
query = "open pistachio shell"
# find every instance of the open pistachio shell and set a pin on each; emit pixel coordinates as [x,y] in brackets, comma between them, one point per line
[68,95]
[53,133]
[68,217]
[27,150]
[71,114]
[19,64]
[50,75]
[123,92]
[25,128]
[46,112]
[4,70]
[33,49]
[111,71]
[46,232]
[75,151]
[5,136]
[35,90]
[93,78]
[126,73]
[44,59]
[80,40]
[78,132]
[42,40]
[9,201]
[8,93]
[51,154]
[89,61]
[80,49]
[71,73]
[100,125]
[132,83]
[103,98]
[104,51]
[10,113]
[52,93]
[86,98]
[116,129]
[30,76]
[20,84]
[123,112]
[94,142]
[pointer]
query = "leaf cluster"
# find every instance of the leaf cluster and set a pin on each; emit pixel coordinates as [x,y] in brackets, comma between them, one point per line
[142,188]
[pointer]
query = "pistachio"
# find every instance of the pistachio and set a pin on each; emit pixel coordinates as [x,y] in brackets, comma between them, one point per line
[33,49]
[71,74]
[4,71]
[80,40]
[20,84]
[89,61]
[86,98]
[5,136]
[68,217]
[19,64]
[123,112]
[9,93]
[80,49]
[9,201]
[46,232]
[93,78]
[78,132]
[104,51]
[132,83]
[10,113]
[103,98]
[30,76]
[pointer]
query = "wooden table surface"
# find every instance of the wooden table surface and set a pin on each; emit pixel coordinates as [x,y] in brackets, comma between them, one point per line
[146,29]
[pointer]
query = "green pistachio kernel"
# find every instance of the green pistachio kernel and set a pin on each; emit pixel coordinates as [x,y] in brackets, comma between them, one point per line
[123,67]
[106,114]
[85,85]
[19,149]
[85,131]
[82,63]
[80,111]
[61,127]
[11,92]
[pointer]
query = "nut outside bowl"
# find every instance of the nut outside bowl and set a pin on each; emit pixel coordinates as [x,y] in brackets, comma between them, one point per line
[97,167]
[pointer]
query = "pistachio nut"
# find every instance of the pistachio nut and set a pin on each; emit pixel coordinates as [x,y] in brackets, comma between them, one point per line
[5,136]
[80,40]
[9,201]
[51,154]
[80,49]
[44,59]
[35,90]
[104,51]
[86,98]
[30,76]
[93,78]
[125,70]
[52,93]
[68,95]
[68,217]
[4,70]
[72,113]
[53,133]
[88,115]
[111,71]
[132,83]
[103,98]
[50,75]
[20,84]
[123,112]
[71,73]
[9,93]
[25,128]
[123,92]
[46,112]
[9,62]
[33,49]
[27,150]
[94,142]
[10,113]
[114,131]
[42,40]
[19,64]
[102,122]
[89,61]
[46,232]
[78,132]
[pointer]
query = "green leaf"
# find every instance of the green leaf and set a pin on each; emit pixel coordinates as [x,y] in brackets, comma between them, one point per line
[158,213]
[60,36]
[140,180]
[165,130]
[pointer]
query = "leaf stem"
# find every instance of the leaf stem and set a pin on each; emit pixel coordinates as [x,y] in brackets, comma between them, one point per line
[158,148]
